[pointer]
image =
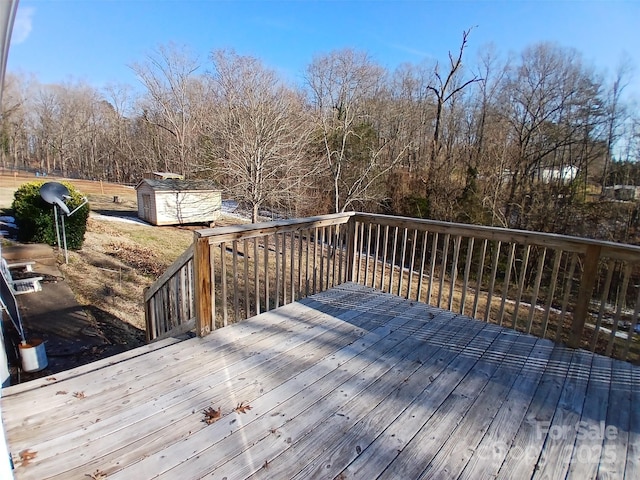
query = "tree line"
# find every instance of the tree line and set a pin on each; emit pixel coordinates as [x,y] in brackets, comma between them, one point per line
[528,140]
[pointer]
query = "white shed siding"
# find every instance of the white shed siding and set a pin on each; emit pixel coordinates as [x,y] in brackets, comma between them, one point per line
[187,207]
[160,206]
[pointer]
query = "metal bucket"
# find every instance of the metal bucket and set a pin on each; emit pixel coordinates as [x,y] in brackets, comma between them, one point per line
[33,356]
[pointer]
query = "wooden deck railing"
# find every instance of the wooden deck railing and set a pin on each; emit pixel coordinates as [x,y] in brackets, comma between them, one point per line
[169,302]
[249,269]
[582,292]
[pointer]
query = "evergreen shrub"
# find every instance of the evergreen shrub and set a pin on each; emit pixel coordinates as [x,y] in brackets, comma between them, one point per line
[35,217]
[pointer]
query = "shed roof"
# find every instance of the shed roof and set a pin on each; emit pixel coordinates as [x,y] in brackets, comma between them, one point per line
[174,184]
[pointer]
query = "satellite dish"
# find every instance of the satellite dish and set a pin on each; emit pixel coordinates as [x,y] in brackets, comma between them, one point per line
[55,193]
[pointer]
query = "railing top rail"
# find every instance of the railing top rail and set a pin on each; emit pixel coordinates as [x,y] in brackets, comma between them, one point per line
[565,242]
[239,232]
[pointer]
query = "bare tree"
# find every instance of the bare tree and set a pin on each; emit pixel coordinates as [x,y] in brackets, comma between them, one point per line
[344,86]
[616,113]
[446,90]
[173,102]
[260,135]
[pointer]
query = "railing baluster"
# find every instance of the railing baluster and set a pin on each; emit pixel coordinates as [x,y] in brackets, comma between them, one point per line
[322,255]
[402,260]
[392,260]
[492,281]
[432,266]
[284,268]
[256,277]
[334,254]
[234,261]
[245,247]
[603,303]
[412,264]
[366,267]
[621,302]
[384,254]
[223,266]
[315,260]
[476,297]
[267,303]
[292,270]
[525,264]
[505,284]
[359,242]
[340,239]
[454,270]
[551,291]
[536,289]
[467,269]
[328,247]
[443,267]
[277,262]
[567,295]
[422,262]
[212,288]
[377,257]
[306,264]
[299,286]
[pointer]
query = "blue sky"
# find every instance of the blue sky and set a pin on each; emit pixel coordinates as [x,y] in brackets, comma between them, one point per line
[96,40]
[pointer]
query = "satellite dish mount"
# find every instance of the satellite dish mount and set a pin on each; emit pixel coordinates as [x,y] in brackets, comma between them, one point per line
[57,194]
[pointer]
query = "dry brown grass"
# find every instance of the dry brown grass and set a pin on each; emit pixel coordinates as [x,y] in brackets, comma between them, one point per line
[118,259]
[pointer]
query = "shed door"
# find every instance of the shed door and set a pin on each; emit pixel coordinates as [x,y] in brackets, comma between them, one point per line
[146,206]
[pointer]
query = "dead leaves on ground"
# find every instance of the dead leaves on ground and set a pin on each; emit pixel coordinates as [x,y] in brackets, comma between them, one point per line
[26,456]
[97,475]
[242,408]
[79,394]
[211,415]
[143,259]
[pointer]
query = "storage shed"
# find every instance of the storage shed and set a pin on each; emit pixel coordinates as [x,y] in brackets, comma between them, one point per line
[177,202]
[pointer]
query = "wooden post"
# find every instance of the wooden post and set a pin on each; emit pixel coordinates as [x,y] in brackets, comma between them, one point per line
[587,282]
[202,283]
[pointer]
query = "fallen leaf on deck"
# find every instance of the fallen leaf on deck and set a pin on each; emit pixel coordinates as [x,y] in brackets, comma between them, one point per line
[211,415]
[61,392]
[265,465]
[26,455]
[97,475]
[79,394]
[50,379]
[242,408]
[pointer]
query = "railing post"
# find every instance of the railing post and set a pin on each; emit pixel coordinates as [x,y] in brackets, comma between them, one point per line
[202,285]
[587,282]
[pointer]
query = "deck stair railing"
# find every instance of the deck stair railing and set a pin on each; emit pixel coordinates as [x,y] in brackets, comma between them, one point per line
[581,292]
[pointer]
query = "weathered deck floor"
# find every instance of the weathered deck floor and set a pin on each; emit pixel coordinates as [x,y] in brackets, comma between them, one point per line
[351,383]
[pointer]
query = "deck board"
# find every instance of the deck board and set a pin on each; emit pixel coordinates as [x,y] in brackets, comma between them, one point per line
[349,383]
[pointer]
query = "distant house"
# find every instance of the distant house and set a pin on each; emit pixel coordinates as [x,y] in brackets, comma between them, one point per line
[177,202]
[163,176]
[622,192]
[566,174]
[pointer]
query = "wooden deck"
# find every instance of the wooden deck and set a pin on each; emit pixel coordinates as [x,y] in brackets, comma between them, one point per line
[349,383]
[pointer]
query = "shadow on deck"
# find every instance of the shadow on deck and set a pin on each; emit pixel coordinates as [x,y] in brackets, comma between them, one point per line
[349,383]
